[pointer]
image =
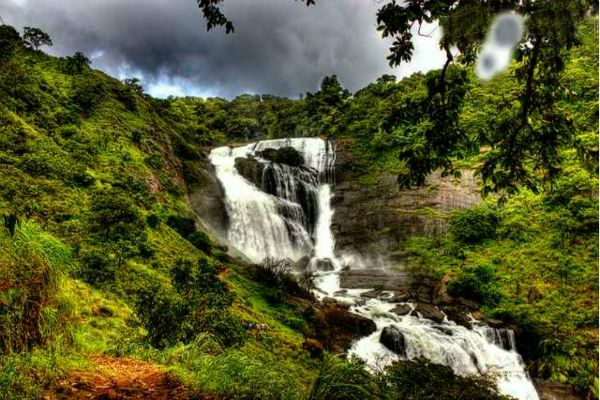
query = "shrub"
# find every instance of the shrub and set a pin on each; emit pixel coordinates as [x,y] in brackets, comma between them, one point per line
[201,241]
[474,225]
[197,302]
[421,379]
[477,283]
[277,273]
[114,216]
[184,226]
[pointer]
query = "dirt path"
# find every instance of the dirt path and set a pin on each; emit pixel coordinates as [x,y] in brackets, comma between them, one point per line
[121,378]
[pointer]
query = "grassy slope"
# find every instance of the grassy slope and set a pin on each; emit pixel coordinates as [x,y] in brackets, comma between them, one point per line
[65,136]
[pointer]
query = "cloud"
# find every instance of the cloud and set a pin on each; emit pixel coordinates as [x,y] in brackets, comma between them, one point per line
[279,47]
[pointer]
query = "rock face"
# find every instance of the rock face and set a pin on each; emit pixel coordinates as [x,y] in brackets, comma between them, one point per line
[373,220]
[381,279]
[324,264]
[402,309]
[552,390]
[205,196]
[285,155]
[392,338]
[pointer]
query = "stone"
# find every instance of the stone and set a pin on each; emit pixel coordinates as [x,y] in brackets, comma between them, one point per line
[478,315]
[371,294]
[470,304]
[444,330]
[495,323]
[430,312]
[329,300]
[400,296]
[380,279]
[553,390]
[458,314]
[285,155]
[392,338]
[251,169]
[402,309]
[342,292]
[324,264]
[303,263]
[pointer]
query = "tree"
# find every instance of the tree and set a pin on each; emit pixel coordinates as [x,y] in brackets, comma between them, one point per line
[9,40]
[135,85]
[114,216]
[77,63]
[35,38]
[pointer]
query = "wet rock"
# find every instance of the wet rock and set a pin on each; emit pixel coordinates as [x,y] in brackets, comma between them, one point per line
[402,309]
[444,330]
[400,296]
[324,264]
[430,312]
[251,169]
[342,292]
[470,304]
[553,390]
[303,263]
[478,315]
[458,314]
[285,155]
[371,294]
[329,300]
[392,338]
[495,323]
[381,279]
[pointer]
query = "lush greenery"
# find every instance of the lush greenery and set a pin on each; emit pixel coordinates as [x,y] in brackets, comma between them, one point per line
[101,253]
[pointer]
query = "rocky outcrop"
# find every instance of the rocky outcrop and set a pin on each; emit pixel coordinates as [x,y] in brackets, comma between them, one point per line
[285,155]
[552,390]
[206,198]
[402,309]
[251,169]
[392,338]
[373,219]
[381,279]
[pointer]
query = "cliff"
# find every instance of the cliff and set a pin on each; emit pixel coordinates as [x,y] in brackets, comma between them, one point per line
[372,221]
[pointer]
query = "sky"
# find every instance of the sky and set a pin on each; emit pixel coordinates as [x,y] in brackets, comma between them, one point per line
[280,47]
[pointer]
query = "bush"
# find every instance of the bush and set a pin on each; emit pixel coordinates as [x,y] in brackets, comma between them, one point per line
[197,302]
[421,379]
[184,226]
[477,283]
[201,241]
[474,225]
[277,273]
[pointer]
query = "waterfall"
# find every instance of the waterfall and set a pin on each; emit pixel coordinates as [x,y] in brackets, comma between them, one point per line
[286,213]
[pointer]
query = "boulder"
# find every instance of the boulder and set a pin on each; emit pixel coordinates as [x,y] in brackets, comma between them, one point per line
[495,323]
[444,330]
[430,312]
[458,314]
[324,264]
[329,300]
[342,292]
[371,294]
[251,169]
[553,390]
[400,296]
[392,338]
[285,155]
[402,309]
[303,263]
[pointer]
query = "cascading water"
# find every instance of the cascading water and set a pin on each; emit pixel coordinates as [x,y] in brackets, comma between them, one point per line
[288,215]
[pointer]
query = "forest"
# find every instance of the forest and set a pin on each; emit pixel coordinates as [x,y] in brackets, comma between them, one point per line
[103,262]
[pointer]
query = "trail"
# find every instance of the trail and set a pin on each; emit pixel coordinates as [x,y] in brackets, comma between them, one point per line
[121,378]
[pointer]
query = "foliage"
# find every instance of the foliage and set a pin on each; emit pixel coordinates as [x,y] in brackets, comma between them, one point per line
[35,38]
[474,225]
[477,283]
[198,302]
[277,273]
[421,379]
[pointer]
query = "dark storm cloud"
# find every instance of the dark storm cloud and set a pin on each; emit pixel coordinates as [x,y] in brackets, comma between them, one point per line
[279,47]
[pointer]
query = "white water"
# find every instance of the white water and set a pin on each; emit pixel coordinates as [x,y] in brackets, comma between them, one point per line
[259,228]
